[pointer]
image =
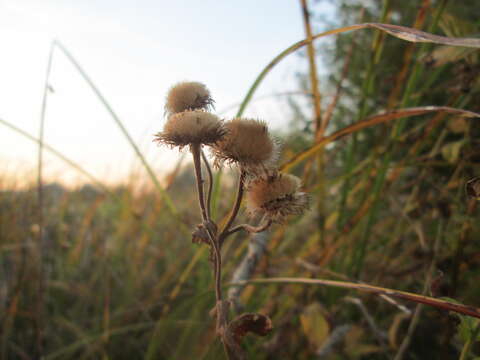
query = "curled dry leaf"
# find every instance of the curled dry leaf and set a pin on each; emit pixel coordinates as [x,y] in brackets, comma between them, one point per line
[249,322]
[200,235]
[472,188]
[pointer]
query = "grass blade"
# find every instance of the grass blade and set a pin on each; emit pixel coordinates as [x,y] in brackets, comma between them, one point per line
[401,32]
[41,249]
[58,154]
[418,36]
[125,132]
[371,121]
[419,299]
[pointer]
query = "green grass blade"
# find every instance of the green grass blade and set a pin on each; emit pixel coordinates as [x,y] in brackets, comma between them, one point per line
[171,207]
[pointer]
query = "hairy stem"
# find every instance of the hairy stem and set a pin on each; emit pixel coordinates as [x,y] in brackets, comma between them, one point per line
[210,184]
[235,209]
[249,228]
[196,151]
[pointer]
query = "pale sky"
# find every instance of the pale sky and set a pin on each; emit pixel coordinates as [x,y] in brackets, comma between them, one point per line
[134,51]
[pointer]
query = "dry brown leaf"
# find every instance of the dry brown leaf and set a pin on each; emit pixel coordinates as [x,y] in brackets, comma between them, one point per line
[249,322]
[414,35]
[472,188]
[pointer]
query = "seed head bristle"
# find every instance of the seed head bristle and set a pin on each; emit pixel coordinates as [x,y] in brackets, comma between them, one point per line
[276,196]
[188,96]
[191,127]
[246,143]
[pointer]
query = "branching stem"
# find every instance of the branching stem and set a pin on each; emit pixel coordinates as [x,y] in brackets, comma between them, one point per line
[195,149]
[235,209]
[196,153]
[210,184]
[249,228]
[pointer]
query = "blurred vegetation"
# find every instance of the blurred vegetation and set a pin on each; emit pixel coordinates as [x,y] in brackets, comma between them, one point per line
[118,278]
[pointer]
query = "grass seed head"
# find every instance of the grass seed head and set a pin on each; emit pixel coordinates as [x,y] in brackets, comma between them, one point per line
[247,143]
[191,127]
[276,196]
[188,96]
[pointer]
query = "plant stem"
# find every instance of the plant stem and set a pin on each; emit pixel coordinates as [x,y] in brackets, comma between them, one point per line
[236,207]
[249,228]
[41,251]
[196,150]
[313,69]
[59,155]
[419,299]
[210,184]
[468,345]
[124,131]
[221,306]
[428,281]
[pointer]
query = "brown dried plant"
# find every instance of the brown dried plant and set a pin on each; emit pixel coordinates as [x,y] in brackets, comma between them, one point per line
[247,145]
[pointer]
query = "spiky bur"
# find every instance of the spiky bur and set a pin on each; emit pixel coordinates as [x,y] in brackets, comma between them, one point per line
[276,196]
[247,143]
[188,95]
[191,127]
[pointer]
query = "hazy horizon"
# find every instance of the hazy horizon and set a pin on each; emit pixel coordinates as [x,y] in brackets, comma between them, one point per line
[133,51]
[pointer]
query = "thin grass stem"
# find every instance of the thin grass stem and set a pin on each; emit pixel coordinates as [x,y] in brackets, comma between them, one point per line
[108,107]
[317,104]
[418,310]
[58,154]
[41,250]
[419,299]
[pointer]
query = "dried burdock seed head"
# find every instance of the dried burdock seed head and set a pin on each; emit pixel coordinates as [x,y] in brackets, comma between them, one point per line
[247,143]
[191,127]
[276,196]
[188,96]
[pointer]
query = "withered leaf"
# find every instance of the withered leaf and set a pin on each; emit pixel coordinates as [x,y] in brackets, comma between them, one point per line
[414,35]
[472,188]
[200,235]
[249,322]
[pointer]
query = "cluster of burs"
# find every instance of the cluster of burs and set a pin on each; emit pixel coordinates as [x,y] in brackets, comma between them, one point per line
[245,143]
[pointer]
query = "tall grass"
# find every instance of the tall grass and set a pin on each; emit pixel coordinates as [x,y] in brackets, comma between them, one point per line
[123,282]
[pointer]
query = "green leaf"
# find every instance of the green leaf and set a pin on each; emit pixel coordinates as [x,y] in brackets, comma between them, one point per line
[451,151]
[314,324]
[468,329]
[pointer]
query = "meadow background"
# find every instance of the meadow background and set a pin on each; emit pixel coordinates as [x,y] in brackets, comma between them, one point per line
[102,269]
